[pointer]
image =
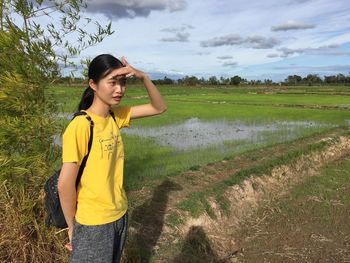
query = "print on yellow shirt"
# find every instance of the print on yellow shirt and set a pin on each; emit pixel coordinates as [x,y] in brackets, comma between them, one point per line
[108,145]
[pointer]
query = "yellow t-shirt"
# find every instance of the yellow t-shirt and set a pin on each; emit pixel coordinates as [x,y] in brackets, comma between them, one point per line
[101,197]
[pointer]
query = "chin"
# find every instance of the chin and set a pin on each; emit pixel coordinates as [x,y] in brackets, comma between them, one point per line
[115,103]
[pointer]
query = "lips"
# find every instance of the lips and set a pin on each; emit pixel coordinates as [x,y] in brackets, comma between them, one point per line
[117,97]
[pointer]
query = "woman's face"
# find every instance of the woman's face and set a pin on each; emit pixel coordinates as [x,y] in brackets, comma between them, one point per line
[111,88]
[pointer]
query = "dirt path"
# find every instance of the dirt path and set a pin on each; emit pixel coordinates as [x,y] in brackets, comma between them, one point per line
[153,238]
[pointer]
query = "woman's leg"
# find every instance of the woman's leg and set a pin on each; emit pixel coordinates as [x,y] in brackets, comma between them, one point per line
[121,232]
[100,243]
[92,244]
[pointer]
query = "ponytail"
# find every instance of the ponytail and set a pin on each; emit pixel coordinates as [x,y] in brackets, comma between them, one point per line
[86,99]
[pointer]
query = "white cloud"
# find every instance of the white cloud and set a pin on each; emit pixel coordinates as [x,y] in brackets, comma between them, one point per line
[177,29]
[329,50]
[274,55]
[292,25]
[177,5]
[257,42]
[179,33]
[230,64]
[224,57]
[179,37]
[116,9]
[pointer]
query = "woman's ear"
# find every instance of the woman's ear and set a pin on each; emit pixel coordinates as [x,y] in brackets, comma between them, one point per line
[92,85]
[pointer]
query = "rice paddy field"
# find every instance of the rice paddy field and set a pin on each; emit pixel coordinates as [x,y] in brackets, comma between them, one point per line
[207,124]
[196,175]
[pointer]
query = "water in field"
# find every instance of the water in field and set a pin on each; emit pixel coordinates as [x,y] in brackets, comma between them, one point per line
[195,133]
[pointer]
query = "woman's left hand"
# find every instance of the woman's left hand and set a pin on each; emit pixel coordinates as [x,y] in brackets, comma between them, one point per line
[129,71]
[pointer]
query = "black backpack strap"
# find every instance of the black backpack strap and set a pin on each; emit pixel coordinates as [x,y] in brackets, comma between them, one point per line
[83,163]
[112,114]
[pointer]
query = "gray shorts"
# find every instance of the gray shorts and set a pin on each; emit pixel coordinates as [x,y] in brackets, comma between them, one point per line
[100,243]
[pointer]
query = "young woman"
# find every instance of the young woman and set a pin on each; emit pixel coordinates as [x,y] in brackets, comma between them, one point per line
[96,212]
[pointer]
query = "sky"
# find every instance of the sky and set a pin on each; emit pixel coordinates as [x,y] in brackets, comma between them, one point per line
[268,39]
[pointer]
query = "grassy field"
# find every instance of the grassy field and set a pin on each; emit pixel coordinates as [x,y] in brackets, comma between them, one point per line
[148,162]
[68,97]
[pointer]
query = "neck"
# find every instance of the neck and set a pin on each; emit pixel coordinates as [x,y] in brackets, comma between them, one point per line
[99,108]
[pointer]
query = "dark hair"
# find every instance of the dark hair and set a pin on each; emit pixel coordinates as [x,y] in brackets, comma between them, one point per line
[99,67]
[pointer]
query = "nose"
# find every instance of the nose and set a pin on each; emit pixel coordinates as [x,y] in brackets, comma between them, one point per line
[118,88]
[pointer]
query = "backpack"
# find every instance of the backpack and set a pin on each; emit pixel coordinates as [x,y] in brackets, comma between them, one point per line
[55,216]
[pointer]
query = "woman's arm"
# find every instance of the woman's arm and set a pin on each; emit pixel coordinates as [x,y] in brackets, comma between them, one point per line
[67,193]
[156,105]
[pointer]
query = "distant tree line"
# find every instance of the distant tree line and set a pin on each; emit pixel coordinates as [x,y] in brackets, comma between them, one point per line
[291,80]
[310,79]
[194,81]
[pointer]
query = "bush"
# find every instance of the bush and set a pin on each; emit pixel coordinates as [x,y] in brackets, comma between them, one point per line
[28,64]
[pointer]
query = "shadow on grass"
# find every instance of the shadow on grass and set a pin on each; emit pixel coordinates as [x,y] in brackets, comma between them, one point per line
[197,248]
[133,177]
[146,224]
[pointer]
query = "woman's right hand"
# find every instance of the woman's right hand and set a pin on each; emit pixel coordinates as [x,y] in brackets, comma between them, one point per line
[70,233]
[130,71]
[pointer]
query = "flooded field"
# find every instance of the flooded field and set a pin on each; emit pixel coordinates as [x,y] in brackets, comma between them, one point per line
[195,133]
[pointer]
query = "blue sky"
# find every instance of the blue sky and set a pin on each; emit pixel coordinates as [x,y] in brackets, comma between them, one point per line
[254,39]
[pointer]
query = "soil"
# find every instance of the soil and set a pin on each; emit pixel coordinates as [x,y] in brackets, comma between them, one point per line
[299,227]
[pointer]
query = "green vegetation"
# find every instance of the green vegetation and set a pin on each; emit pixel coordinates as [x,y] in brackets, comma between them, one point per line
[196,203]
[173,220]
[148,163]
[29,60]
[68,97]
